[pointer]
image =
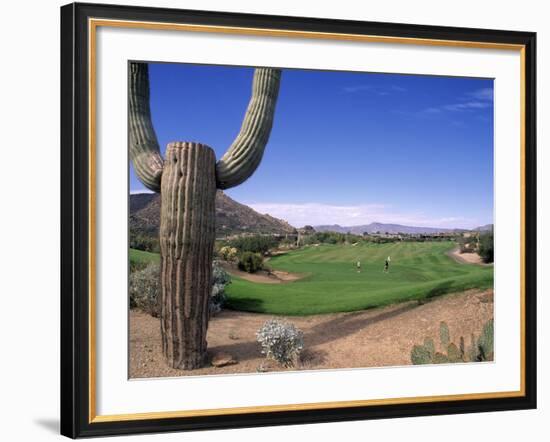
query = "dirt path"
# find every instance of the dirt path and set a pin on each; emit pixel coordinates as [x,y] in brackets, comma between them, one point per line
[262,276]
[370,338]
[466,258]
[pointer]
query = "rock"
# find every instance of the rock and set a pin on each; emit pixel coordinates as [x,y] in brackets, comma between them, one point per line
[223,359]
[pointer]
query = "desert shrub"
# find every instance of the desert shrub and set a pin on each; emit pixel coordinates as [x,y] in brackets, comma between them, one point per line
[136,266]
[228,253]
[352,238]
[325,238]
[254,244]
[145,289]
[142,241]
[281,341]
[220,279]
[467,244]
[250,262]
[287,243]
[332,238]
[486,247]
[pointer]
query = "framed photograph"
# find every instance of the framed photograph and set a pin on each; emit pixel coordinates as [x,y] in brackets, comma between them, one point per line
[274,220]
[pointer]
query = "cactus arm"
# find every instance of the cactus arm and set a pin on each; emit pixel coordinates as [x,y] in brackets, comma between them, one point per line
[244,155]
[144,147]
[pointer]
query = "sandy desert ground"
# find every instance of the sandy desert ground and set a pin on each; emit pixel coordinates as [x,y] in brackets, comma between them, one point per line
[371,338]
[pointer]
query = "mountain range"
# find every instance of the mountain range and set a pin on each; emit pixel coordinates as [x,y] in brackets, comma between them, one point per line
[235,218]
[231,217]
[376,227]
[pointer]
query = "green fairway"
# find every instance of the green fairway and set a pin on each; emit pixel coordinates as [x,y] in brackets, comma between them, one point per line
[141,257]
[417,270]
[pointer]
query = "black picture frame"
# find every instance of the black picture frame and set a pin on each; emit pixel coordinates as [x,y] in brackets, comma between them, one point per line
[75,221]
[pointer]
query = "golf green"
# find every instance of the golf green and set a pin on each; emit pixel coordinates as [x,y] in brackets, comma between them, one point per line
[332,283]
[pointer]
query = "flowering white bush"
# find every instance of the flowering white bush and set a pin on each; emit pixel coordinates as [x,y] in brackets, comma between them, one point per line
[281,341]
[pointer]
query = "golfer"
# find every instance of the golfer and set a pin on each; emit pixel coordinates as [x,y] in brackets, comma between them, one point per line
[387,265]
[358,266]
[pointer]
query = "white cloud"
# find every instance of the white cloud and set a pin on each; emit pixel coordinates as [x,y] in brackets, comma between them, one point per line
[482,94]
[467,105]
[472,101]
[299,215]
[458,107]
[138,191]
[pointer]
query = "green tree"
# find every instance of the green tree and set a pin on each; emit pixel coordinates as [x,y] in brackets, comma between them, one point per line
[486,246]
[250,262]
[255,244]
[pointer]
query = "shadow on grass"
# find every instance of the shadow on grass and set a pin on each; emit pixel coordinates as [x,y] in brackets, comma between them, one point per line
[253,305]
[441,289]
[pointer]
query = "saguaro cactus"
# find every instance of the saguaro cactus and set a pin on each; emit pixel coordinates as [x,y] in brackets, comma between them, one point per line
[187,179]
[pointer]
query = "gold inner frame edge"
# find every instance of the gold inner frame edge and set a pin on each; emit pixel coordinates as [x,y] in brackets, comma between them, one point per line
[93,24]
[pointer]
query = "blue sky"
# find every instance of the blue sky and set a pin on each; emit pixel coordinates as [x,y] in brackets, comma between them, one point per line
[346,148]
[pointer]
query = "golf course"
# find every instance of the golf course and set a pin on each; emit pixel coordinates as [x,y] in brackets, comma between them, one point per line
[143,257]
[330,281]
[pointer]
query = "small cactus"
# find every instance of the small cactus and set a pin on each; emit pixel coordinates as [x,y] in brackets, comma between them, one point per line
[429,345]
[444,334]
[485,342]
[480,349]
[440,358]
[473,350]
[421,355]
[453,353]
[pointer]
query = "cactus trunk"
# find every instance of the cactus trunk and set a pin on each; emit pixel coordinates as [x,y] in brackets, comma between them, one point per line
[187,179]
[187,234]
